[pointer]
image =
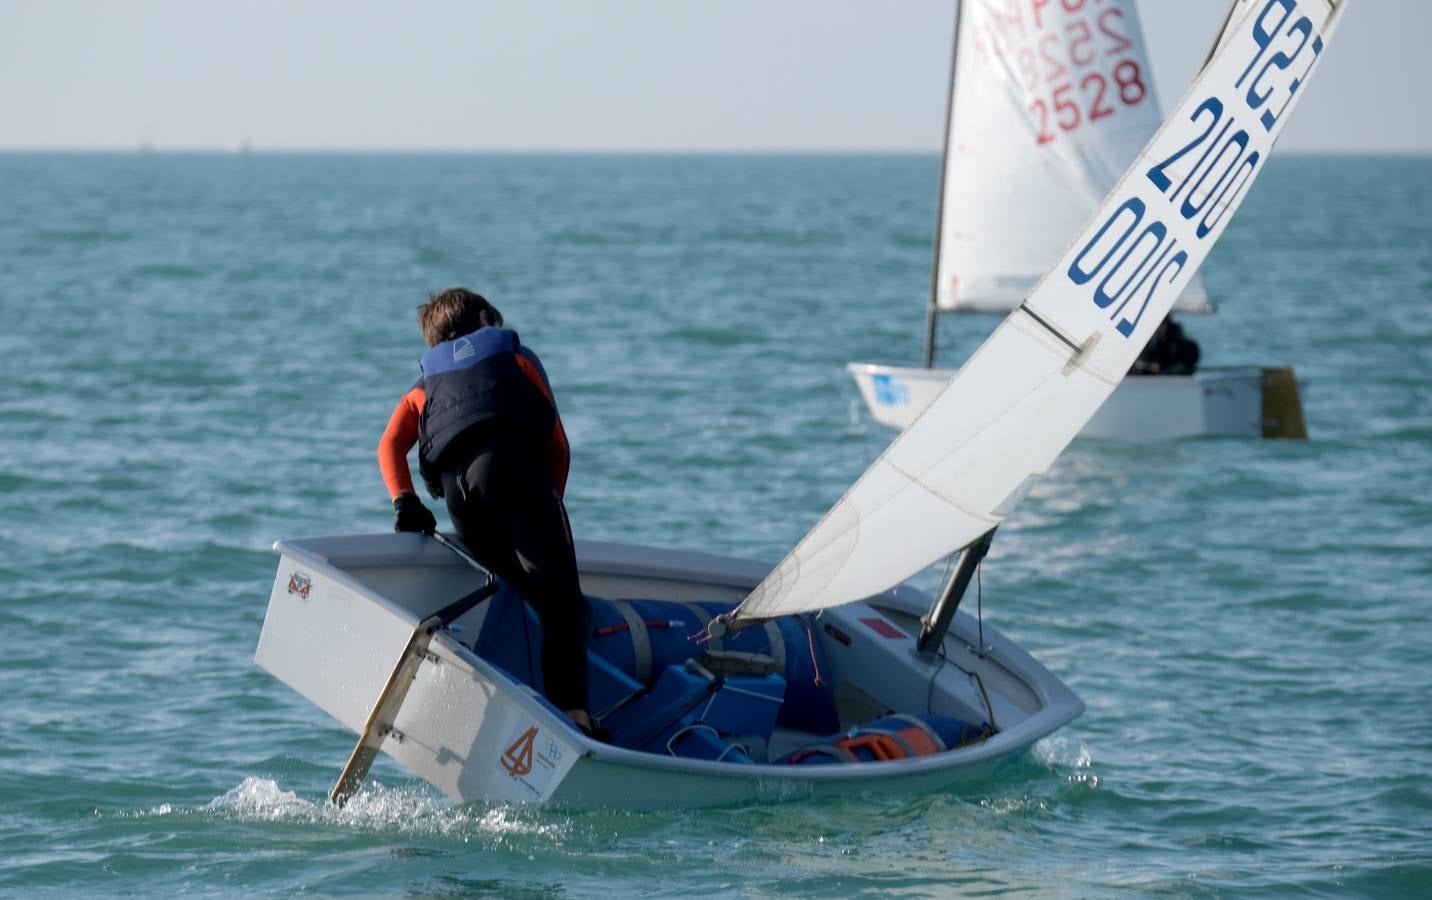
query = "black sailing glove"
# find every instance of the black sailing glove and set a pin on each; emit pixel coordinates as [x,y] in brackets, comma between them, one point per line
[409,514]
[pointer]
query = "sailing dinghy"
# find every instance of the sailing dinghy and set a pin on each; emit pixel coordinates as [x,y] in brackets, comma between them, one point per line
[1048,104]
[822,674]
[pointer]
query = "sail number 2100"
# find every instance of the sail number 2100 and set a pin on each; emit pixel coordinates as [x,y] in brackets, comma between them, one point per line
[1133,253]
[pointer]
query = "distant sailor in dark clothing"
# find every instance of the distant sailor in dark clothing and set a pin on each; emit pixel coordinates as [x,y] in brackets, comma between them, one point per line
[1168,352]
[490,442]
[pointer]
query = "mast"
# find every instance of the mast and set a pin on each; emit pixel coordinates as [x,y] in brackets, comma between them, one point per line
[942,612]
[932,313]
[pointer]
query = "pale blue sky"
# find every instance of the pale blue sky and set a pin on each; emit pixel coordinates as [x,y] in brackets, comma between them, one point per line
[593,74]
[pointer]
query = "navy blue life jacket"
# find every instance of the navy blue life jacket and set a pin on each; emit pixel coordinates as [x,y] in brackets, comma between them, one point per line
[472,384]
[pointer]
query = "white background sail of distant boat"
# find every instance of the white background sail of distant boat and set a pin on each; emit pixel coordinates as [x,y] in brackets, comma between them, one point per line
[998,425]
[1048,103]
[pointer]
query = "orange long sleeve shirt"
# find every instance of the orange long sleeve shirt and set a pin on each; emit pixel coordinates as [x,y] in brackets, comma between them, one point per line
[402,433]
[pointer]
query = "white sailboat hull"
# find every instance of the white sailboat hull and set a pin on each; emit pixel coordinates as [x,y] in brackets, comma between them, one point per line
[1237,401]
[342,609]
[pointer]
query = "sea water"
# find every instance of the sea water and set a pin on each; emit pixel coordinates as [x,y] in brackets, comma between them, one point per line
[198,356]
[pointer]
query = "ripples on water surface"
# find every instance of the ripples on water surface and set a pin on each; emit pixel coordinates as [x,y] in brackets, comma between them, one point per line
[199,354]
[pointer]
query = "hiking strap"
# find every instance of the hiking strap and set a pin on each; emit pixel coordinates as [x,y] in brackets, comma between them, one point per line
[777,644]
[640,640]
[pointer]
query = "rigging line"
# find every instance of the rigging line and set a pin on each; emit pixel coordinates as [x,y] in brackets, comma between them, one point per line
[979,606]
[979,682]
[930,690]
[979,653]
[946,574]
[989,707]
[815,663]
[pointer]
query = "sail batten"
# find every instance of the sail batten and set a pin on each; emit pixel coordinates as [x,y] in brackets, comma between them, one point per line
[999,424]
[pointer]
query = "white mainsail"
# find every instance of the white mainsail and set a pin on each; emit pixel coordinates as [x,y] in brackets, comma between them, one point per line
[956,472]
[1049,103]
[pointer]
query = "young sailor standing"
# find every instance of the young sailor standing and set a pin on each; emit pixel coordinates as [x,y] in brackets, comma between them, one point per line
[490,443]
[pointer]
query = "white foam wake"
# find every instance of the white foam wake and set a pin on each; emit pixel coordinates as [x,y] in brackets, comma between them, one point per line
[408,809]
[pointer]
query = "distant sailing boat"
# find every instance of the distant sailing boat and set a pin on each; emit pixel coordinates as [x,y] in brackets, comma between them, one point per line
[823,674]
[1047,106]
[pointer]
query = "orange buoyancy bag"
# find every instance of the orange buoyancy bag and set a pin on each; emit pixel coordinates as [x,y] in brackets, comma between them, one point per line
[890,738]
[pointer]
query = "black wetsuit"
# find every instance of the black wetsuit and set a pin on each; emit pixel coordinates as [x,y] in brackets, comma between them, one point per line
[505,506]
